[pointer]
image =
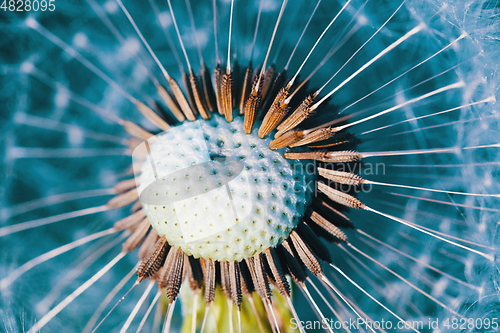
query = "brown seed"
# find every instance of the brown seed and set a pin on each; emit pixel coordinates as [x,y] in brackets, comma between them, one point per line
[340,197]
[341,177]
[342,156]
[245,90]
[324,156]
[173,273]
[337,143]
[189,90]
[251,108]
[123,199]
[169,101]
[328,226]
[199,99]
[208,88]
[277,271]
[137,236]
[130,220]
[154,261]
[308,258]
[165,270]
[276,87]
[259,278]
[218,85]
[125,185]
[251,269]
[315,136]
[227,95]
[299,115]
[181,100]
[136,131]
[224,279]
[276,113]
[209,277]
[287,139]
[235,283]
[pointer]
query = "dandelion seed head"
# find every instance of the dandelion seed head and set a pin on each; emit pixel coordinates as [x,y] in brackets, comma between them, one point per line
[248,210]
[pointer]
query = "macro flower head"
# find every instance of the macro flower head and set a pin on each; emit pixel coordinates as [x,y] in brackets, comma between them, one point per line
[229,166]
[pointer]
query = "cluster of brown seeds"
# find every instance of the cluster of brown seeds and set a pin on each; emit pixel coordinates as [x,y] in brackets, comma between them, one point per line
[303,251]
[260,95]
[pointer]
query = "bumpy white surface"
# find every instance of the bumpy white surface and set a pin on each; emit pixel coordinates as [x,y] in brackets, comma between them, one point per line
[267,199]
